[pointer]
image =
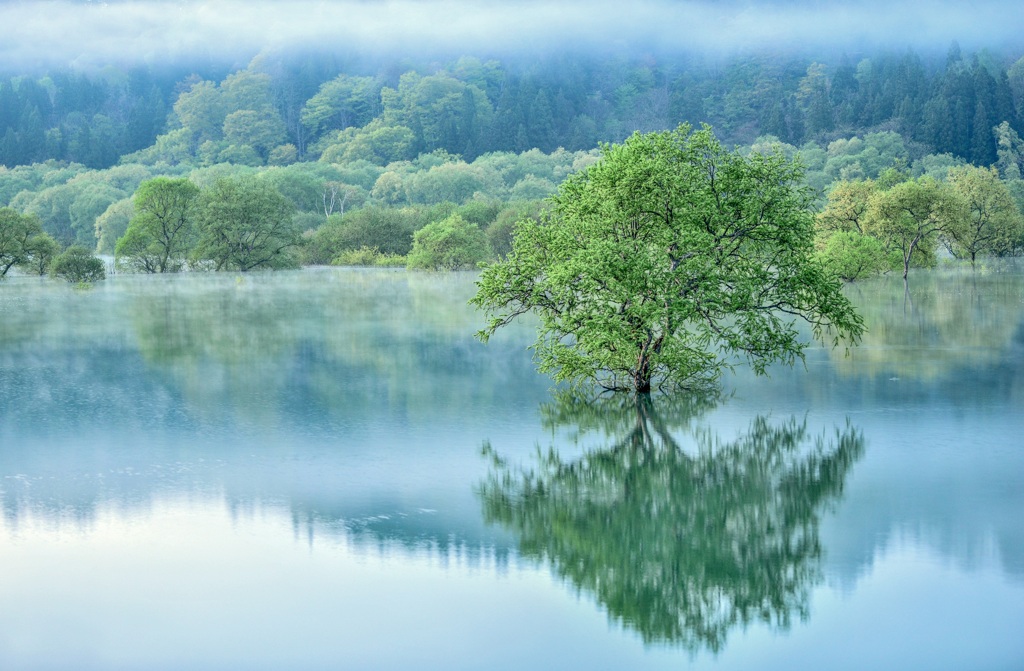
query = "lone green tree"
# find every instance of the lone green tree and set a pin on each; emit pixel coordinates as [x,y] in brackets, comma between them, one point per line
[162,231]
[659,264]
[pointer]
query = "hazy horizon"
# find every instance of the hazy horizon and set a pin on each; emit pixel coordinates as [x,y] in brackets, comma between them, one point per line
[89,34]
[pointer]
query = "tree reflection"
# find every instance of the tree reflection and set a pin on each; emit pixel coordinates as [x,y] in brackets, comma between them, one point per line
[680,535]
[945,322]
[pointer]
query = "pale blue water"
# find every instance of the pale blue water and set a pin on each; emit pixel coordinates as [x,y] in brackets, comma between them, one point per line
[323,469]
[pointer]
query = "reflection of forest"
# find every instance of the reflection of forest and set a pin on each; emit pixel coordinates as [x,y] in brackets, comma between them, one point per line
[364,336]
[681,542]
[256,388]
[264,351]
[945,321]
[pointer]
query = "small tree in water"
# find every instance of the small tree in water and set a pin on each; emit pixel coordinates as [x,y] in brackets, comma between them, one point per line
[78,265]
[661,263]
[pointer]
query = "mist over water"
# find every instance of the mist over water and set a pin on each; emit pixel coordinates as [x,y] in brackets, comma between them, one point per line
[93,34]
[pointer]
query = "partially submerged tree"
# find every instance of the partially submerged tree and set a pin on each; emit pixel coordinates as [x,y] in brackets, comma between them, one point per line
[665,260]
[847,206]
[245,224]
[989,221]
[42,249]
[163,230]
[77,264]
[16,232]
[909,217]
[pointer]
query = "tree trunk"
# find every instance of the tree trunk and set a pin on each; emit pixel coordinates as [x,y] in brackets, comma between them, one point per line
[642,376]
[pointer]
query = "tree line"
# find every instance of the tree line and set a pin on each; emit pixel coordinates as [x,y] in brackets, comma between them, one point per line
[365,160]
[285,108]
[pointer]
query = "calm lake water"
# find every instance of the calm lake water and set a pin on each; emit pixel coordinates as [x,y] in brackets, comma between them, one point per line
[324,470]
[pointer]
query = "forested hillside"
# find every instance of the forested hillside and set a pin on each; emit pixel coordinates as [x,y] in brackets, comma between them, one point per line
[286,108]
[366,151]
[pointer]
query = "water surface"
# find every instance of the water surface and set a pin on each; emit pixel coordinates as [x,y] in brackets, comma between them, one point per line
[322,469]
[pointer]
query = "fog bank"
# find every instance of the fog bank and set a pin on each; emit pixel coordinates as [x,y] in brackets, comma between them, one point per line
[90,34]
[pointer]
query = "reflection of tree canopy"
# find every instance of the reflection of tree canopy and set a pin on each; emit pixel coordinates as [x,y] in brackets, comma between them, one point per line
[361,336]
[680,544]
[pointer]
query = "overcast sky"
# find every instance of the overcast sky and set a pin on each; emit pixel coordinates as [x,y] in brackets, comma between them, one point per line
[94,33]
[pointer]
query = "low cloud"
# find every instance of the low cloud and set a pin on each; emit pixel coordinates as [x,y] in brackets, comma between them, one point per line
[91,34]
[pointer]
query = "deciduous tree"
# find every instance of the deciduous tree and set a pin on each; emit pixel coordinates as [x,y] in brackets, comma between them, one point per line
[663,261]
[989,221]
[162,231]
[909,217]
[450,244]
[245,224]
[77,264]
[16,231]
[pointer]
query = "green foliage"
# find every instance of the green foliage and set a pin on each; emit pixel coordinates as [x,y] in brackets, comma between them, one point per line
[856,158]
[663,261]
[988,222]
[909,217]
[853,256]
[450,244]
[237,154]
[499,233]
[375,143]
[388,230]
[162,232]
[283,154]
[112,224]
[340,103]
[900,104]
[261,130]
[201,111]
[532,188]
[303,187]
[77,265]
[369,256]
[1009,149]
[245,224]
[16,234]
[847,206]
[680,535]
[936,166]
[454,181]
[480,211]
[42,249]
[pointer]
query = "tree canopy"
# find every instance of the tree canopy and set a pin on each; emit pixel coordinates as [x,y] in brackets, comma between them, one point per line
[162,231]
[16,232]
[245,224]
[659,264]
[989,221]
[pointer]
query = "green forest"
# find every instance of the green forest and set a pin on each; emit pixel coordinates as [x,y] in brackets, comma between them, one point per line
[315,158]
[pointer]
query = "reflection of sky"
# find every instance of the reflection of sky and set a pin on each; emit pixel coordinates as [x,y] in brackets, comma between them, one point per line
[188,583]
